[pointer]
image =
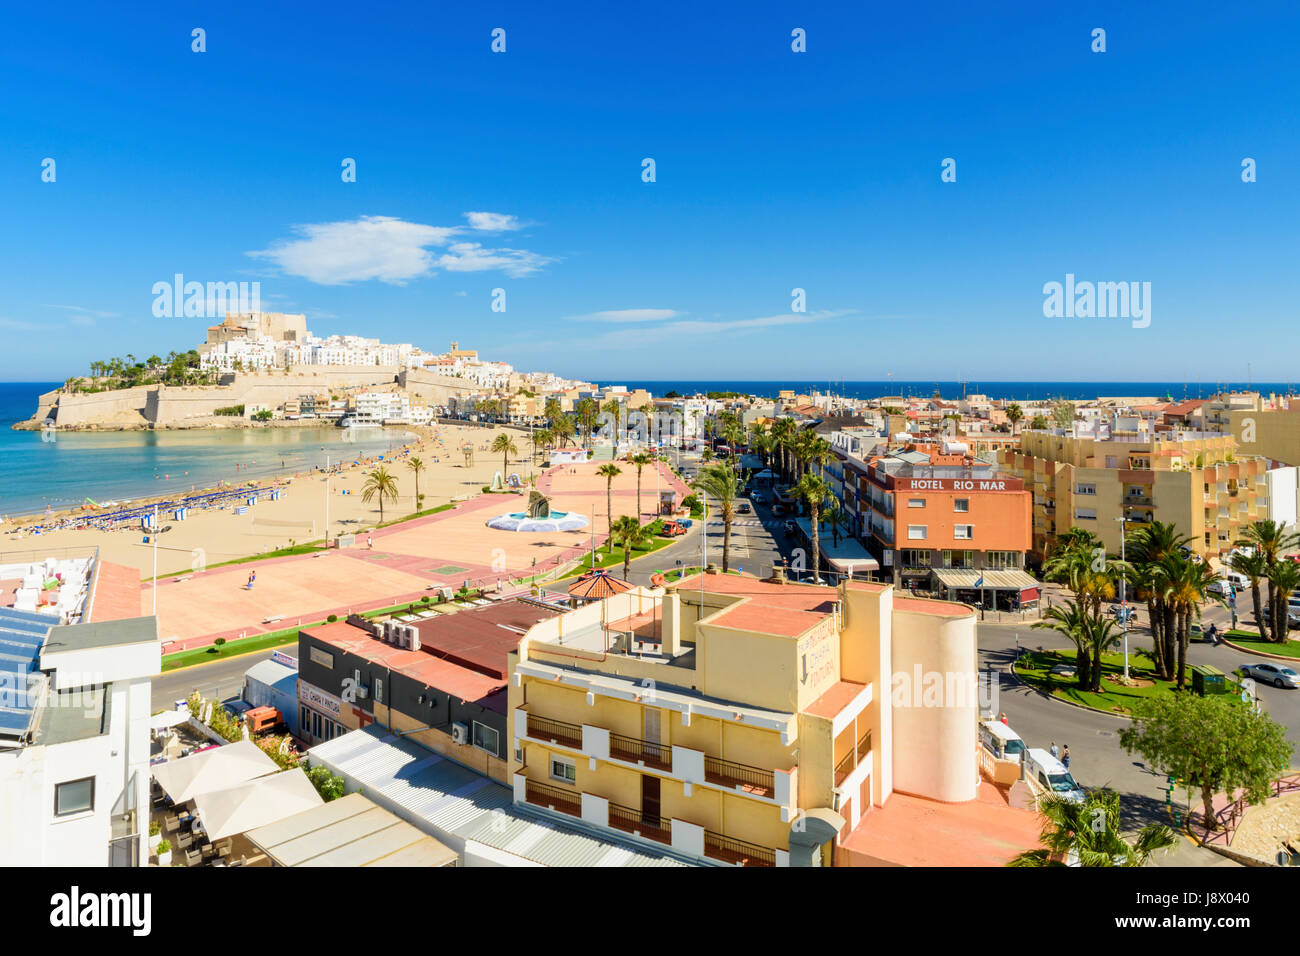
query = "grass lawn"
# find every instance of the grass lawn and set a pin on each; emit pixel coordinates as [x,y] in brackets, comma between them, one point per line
[1034,669]
[1251,641]
[264,642]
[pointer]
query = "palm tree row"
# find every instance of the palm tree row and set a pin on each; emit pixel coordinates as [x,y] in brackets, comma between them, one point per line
[1269,542]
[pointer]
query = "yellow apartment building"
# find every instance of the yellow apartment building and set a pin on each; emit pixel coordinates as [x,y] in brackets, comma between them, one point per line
[744,722]
[1198,481]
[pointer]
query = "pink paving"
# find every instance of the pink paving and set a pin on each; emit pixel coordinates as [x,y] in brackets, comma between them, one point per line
[196,609]
[914,831]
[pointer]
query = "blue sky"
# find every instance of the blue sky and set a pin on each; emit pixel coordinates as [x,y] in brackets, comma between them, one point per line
[775,170]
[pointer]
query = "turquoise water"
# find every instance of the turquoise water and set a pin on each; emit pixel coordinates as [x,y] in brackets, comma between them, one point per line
[112,466]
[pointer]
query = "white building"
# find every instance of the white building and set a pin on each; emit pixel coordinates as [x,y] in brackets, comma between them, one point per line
[74,740]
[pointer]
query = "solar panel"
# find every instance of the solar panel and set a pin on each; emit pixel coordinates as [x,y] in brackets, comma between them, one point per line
[22,635]
[15,722]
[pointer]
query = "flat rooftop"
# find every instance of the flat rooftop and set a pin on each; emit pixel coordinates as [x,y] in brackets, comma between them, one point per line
[98,634]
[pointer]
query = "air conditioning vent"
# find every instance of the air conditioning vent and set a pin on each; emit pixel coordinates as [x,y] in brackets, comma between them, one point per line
[460,733]
[362,692]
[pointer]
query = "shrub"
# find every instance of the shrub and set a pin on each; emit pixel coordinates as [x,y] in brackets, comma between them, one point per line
[155,828]
[332,618]
[164,846]
[329,786]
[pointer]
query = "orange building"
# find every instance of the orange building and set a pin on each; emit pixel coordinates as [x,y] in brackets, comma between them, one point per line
[944,520]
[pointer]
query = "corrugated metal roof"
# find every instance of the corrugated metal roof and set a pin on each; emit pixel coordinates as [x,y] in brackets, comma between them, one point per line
[270,672]
[969,578]
[452,799]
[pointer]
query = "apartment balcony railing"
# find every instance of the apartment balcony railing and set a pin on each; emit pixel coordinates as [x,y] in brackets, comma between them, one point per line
[1138,500]
[636,750]
[553,798]
[731,850]
[728,773]
[556,731]
[849,762]
[650,827]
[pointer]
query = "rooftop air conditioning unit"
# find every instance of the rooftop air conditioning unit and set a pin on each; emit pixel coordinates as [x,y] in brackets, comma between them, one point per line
[415,637]
[459,733]
[362,692]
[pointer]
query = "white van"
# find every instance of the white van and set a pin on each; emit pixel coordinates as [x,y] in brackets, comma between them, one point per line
[1001,741]
[1049,774]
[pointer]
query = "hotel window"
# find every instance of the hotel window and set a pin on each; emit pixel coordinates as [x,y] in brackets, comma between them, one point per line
[564,770]
[963,532]
[916,502]
[317,656]
[915,558]
[1085,514]
[916,532]
[961,504]
[75,796]
[487,739]
[1085,489]
[379,690]
[1001,560]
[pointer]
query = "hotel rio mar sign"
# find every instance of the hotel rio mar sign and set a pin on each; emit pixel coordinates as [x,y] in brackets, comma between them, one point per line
[318,698]
[958,484]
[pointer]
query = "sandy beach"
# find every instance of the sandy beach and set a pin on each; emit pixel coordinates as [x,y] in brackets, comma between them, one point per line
[213,536]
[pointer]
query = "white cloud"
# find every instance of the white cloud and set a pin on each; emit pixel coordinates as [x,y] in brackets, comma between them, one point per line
[628,315]
[473,257]
[493,221]
[390,250]
[462,292]
[690,329]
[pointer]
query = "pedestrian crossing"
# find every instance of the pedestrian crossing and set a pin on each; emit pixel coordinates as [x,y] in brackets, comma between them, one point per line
[748,523]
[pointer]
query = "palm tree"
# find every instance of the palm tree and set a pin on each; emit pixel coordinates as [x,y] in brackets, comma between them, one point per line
[609,472]
[834,514]
[1283,578]
[719,480]
[1014,414]
[630,534]
[552,411]
[506,446]
[1155,559]
[379,484]
[1253,568]
[814,490]
[640,459]
[1271,541]
[1089,832]
[416,467]
[539,439]
[612,407]
[563,431]
[585,411]
[1072,621]
[782,432]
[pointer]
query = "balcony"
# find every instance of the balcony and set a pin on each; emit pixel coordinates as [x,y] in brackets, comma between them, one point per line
[737,852]
[636,750]
[553,798]
[849,762]
[728,773]
[693,838]
[1143,500]
[659,829]
[695,766]
[556,731]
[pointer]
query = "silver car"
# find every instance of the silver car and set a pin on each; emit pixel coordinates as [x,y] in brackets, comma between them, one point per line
[1278,675]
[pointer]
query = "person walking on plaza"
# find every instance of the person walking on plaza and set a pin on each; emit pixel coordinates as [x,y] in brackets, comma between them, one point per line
[1065,757]
[1003,718]
[370,541]
[1054,750]
[251,578]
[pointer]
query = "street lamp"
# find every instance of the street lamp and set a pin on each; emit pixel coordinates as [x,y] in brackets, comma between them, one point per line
[1123,587]
[154,531]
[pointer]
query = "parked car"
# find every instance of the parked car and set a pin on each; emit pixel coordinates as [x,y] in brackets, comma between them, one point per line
[1276,674]
[1220,587]
[743,508]
[1052,776]
[671,529]
[1292,614]
[788,527]
[757,498]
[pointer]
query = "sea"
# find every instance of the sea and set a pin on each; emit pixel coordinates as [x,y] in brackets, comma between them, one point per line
[1017,391]
[76,467]
[61,470]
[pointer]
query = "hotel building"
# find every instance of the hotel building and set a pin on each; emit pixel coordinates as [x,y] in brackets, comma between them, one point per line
[1094,474]
[743,722]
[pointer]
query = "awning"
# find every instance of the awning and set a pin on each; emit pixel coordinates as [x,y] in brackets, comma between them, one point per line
[214,769]
[349,831]
[168,718]
[1012,579]
[256,803]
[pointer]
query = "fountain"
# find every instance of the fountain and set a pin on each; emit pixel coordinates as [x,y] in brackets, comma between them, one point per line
[538,517]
